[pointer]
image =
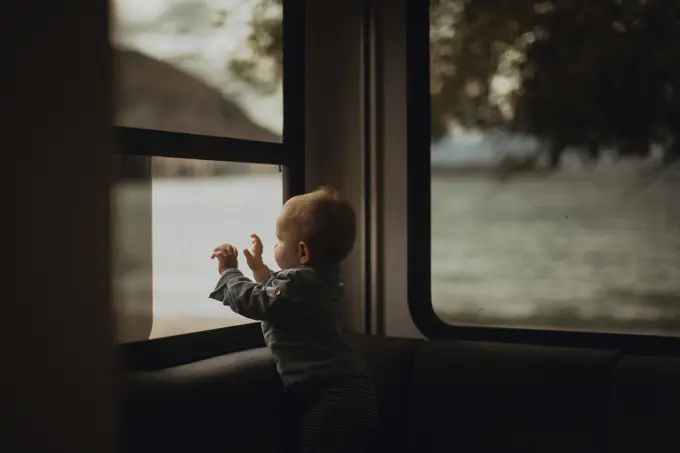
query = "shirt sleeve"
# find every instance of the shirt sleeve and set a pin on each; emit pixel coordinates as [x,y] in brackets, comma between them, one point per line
[248,298]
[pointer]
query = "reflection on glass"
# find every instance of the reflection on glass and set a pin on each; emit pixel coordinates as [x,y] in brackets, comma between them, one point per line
[131,250]
[209,67]
[555,175]
[194,206]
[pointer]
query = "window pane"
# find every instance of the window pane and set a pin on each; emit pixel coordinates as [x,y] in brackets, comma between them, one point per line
[555,176]
[195,206]
[132,254]
[203,67]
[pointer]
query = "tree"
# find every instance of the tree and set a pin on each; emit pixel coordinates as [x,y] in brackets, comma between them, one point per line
[266,49]
[614,61]
[577,73]
[586,74]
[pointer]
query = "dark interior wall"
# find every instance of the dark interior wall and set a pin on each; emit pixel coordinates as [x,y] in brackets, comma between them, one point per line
[392,144]
[58,142]
[334,125]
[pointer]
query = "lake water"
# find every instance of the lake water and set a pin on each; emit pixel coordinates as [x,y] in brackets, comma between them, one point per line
[580,251]
[189,218]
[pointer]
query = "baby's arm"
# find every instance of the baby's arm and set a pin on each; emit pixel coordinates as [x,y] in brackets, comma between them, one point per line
[247,298]
[261,274]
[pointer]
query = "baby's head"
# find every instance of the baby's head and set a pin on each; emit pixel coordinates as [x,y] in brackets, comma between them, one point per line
[316,228]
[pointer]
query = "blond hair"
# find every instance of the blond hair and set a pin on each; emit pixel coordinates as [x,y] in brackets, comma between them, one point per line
[324,222]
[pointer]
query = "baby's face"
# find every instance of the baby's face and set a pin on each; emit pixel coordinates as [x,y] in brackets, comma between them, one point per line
[286,249]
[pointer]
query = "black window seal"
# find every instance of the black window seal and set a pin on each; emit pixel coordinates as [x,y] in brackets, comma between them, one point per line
[419,227]
[154,143]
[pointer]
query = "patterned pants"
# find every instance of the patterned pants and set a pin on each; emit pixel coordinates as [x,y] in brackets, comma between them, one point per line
[336,416]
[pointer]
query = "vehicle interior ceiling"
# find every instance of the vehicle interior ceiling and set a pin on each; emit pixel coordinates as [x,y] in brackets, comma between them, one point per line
[358,117]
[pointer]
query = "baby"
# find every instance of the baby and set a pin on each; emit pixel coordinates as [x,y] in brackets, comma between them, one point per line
[330,399]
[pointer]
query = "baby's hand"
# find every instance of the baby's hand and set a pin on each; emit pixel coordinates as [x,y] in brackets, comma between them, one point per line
[227,257]
[254,256]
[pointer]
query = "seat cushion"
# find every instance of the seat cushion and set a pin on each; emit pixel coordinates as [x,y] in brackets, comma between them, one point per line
[233,403]
[390,361]
[646,405]
[480,397]
[230,403]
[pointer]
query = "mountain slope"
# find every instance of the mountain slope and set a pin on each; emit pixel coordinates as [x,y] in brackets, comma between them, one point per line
[153,94]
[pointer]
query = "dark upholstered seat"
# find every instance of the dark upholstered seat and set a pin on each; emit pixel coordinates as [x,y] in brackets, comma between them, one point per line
[435,396]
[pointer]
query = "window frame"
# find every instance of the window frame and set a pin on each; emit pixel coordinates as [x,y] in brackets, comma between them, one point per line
[419,226]
[289,154]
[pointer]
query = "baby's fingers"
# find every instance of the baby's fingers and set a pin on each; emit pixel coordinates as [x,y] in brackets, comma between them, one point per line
[223,250]
[218,249]
[257,244]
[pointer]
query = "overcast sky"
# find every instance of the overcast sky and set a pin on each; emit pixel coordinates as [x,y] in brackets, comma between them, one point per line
[183,32]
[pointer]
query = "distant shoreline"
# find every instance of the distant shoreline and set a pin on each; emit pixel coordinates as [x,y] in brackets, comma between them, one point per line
[487,171]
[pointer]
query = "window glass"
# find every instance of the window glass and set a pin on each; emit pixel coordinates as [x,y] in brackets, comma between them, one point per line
[209,67]
[196,205]
[131,249]
[555,176]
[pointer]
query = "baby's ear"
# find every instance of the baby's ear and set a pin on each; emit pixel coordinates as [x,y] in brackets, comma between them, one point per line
[303,253]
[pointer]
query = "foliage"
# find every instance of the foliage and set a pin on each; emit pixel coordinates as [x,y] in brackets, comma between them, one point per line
[266,46]
[572,72]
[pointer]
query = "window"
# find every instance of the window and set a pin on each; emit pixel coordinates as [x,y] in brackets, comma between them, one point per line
[203,158]
[191,206]
[132,247]
[208,68]
[553,172]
